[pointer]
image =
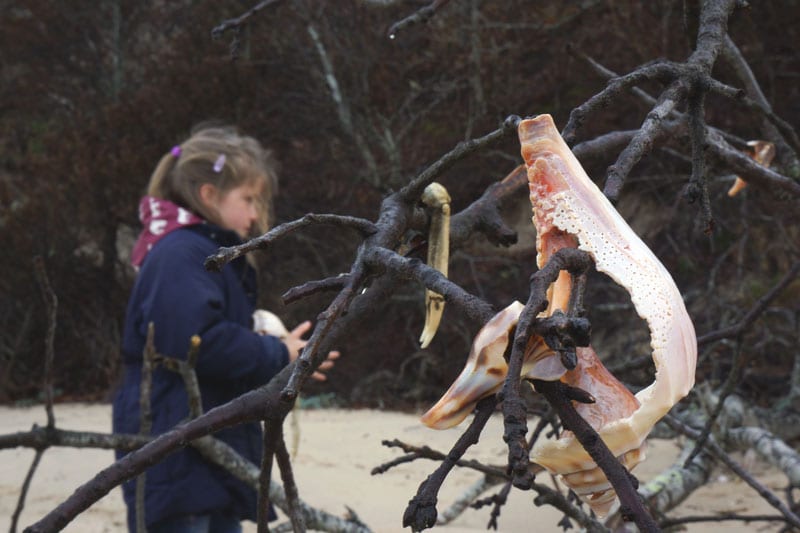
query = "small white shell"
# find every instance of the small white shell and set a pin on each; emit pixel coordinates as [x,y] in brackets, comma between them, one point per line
[267,323]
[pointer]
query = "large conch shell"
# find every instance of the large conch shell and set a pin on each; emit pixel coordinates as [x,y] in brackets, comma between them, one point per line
[570,211]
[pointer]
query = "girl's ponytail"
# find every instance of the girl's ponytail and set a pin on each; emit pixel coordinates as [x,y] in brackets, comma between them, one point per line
[159,185]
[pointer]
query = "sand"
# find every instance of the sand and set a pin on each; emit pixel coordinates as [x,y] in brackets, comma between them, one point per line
[337,450]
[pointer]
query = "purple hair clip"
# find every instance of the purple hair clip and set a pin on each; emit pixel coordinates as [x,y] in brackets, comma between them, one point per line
[219,163]
[176,151]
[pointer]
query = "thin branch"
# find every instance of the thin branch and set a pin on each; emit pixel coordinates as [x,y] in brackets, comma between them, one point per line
[237,23]
[483,215]
[421,511]
[614,87]
[642,143]
[421,15]
[334,283]
[51,304]
[548,496]
[23,493]
[651,101]
[225,255]
[698,188]
[723,517]
[425,452]
[775,131]
[619,477]
[342,105]
[497,501]
[727,389]
[414,269]
[575,262]
[720,454]
[758,308]
[712,30]
[272,434]
[412,191]
[466,499]
[289,485]
[145,421]
[769,447]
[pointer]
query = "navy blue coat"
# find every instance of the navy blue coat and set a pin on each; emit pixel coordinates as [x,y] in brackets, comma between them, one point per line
[182,299]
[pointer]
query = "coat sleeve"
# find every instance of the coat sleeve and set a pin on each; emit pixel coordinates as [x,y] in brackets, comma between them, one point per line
[182,299]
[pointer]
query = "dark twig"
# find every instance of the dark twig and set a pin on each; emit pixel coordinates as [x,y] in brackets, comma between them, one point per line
[548,496]
[712,30]
[51,304]
[145,420]
[698,188]
[23,493]
[780,126]
[186,370]
[414,269]
[411,192]
[421,510]
[425,452]
[498,501]
[310,357]
[514,417]
[727,389]
[421,15]
[753,172]
[213,450]
[632,506]
[335,283]
[649,100]
[483,215]
[720,454]
[289,485]
[227,254]
[723,517]
[758,308]
[403,459]
[642,143]
[272,435]
[603,145]
[773,128]
[237,23]
[614,87]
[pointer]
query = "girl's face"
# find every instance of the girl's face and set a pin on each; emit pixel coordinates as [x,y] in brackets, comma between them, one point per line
[238,208]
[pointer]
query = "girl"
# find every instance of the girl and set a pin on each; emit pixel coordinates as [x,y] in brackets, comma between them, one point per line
[210,191]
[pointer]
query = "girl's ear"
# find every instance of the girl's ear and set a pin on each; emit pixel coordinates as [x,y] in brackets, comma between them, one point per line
[209,195]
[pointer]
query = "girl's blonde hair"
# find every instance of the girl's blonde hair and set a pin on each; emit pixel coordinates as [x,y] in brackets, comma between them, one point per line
[222,157]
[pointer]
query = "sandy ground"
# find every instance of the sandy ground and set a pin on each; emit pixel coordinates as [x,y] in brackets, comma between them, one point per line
[337,450]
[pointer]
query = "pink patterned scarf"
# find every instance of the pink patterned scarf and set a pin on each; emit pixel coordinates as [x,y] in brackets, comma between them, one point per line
[159,218]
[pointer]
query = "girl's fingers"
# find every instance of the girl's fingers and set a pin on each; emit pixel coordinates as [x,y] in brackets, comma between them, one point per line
[301,329]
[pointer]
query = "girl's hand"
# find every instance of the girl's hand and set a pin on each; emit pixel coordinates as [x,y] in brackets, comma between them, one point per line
[327,364]
[294,343]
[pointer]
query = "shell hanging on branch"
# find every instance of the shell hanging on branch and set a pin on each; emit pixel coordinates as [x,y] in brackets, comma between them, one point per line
[570,211]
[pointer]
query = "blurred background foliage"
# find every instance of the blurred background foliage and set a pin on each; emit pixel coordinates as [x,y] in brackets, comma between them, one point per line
[93,93]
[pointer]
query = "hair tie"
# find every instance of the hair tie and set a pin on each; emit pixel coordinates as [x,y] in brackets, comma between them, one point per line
[176,151]
[219,163]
